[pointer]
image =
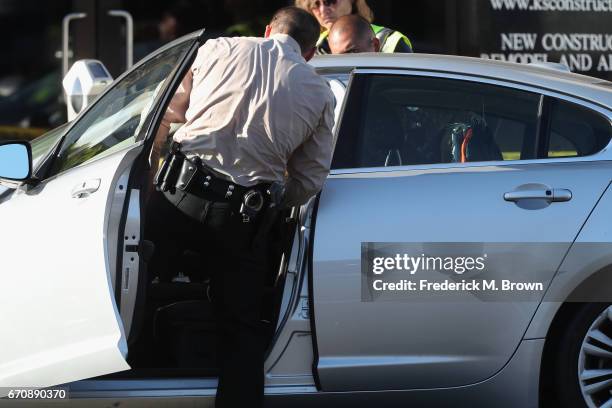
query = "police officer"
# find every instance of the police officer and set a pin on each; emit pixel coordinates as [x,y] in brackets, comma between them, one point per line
[254,112]
[328,11]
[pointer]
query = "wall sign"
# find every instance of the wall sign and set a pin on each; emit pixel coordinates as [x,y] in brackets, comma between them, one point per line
[577,33]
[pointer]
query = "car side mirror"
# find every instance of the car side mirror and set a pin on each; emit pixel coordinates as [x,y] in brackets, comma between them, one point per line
[15,161]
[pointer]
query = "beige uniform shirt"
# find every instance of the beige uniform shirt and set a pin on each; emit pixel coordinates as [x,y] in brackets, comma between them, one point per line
[254,111]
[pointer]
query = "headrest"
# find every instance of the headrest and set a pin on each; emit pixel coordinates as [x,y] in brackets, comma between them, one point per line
[470,141]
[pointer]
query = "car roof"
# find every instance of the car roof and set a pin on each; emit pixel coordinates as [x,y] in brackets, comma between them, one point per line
[585,87]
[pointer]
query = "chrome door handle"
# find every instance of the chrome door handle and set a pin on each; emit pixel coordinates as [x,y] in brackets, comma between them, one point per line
[86,188]
[557,195]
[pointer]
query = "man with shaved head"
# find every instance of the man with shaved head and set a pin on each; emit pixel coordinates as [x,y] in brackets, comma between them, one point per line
[352,34]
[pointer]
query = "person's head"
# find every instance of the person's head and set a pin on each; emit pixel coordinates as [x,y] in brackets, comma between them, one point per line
[351,34]
[328,11]
[299,25]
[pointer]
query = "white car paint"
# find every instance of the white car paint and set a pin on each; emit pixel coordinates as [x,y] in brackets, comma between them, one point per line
[62,324]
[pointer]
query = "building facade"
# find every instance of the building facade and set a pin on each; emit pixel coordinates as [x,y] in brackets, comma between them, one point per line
[41,39]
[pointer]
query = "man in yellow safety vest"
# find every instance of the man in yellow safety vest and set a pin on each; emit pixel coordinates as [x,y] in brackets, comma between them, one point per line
[327,12]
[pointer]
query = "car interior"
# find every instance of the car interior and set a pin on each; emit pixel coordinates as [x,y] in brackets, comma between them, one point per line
[434,123]
[410,121]
[403,121]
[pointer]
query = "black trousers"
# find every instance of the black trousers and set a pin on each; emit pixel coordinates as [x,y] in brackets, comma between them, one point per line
[237,252]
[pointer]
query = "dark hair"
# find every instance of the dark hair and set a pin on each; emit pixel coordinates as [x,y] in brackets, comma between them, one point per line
[298,24]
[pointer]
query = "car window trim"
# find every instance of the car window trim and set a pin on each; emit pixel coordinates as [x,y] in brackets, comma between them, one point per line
[602,109]
[44,166]
[546,128]
[399,171]
[487,79]
[347,92]
[541,129]
[602,155]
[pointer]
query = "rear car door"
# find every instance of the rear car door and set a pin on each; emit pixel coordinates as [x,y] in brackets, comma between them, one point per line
[60,321]
[399,176]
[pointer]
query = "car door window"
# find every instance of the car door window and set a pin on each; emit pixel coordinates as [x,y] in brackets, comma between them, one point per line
[393,120]
[576,131]
[42,145]
[116,120]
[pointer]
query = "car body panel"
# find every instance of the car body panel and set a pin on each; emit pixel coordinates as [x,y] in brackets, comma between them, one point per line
[444,344]
[517,385]
[65,234]
[63,319]
[428,344]
[588,262]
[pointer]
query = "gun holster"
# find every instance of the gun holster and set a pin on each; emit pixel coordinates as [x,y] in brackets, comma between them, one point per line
[169,172]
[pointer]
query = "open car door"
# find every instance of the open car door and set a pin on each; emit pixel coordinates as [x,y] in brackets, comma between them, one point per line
[58,240]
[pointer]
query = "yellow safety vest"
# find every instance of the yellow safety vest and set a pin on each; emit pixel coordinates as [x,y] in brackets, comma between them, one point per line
[389,39]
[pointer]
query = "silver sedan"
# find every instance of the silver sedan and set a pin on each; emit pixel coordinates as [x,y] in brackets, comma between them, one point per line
[434,155]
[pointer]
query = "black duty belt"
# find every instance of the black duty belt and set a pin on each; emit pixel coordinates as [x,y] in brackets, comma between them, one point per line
[190,175]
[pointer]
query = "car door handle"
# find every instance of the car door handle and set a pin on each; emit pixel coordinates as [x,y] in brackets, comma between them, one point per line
[557,195]
[86,188]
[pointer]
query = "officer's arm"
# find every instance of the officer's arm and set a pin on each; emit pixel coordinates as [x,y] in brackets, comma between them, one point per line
[174,114]
[309,165]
